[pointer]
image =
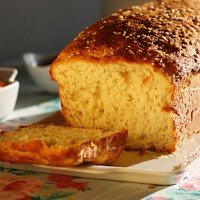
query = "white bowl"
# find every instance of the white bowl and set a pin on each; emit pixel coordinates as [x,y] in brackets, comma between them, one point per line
[38,66]
[8,93]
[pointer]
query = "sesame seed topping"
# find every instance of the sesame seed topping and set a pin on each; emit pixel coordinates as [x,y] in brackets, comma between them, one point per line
[164,33]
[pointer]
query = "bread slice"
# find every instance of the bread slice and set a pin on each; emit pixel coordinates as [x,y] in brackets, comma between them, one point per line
[61,146]
[138,69]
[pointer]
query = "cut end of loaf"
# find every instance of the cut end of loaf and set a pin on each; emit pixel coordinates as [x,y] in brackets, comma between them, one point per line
[133,96]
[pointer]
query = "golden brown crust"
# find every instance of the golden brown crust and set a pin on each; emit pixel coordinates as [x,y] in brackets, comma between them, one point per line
[103,150]
[164,33]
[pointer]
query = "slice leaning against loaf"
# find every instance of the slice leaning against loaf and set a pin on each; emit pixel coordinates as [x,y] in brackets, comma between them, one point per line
[61,146]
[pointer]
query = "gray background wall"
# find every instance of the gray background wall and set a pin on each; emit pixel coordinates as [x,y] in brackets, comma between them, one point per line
[42,25]
[47,26]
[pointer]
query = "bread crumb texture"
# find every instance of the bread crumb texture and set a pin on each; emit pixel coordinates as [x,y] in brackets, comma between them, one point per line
[119,96]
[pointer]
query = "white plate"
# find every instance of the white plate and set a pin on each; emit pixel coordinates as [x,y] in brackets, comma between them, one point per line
[132,166]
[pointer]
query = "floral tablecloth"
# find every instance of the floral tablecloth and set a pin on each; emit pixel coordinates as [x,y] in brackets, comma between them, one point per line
[26,185]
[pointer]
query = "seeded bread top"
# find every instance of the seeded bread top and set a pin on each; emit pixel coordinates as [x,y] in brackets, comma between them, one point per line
[165,34]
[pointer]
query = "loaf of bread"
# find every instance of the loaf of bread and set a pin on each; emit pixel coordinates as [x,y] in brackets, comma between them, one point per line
[61,146]
[137,69]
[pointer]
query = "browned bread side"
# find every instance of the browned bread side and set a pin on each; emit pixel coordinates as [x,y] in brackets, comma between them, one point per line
[61,146]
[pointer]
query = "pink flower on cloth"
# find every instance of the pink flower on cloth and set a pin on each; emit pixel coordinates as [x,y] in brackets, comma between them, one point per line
[15,187]
[159,198]
[192,182]
[64,181]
